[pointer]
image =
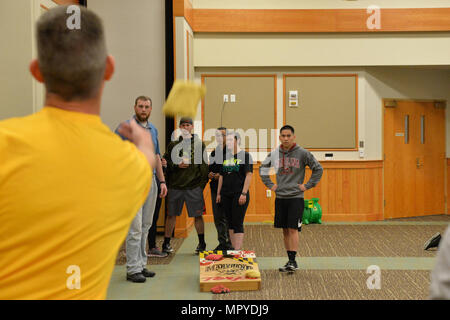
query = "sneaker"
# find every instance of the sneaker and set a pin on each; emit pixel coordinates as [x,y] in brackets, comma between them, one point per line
[167,248]
[299,226]
[290,266]
[155,252]
[201,247]
[136,277]
[147,273]
[433,242]
[221,247]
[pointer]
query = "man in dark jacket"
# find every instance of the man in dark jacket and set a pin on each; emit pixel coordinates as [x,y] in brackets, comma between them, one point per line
[187,176]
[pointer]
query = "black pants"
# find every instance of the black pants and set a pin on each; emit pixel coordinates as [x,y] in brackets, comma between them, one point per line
[152,231]
[288,212]
[220,221]
[234,212]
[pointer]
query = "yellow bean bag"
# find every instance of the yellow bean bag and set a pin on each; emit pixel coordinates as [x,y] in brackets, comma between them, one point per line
[253,274]
[183,99]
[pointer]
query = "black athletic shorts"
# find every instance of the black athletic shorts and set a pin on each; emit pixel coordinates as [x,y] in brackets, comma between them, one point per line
[288,212]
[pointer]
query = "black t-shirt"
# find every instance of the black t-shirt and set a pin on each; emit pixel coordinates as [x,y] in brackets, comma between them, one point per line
[215,165]
[234,170]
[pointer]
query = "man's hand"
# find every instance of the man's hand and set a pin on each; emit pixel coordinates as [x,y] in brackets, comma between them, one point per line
[141,138]
[218,199]
[242,199]
[211,175]
[163,190]
[274,187]
[183,165]
[302,187]
[216,176]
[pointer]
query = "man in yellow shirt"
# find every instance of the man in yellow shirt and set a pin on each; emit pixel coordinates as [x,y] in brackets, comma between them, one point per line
[69,187]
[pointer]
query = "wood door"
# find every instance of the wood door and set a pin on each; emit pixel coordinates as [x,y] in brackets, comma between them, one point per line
[414,153]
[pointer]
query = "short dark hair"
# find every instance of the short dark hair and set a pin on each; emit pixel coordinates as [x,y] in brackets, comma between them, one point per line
[287,127]
[222,128]
[143,98]
[72,61]
[186,120]
[235,134]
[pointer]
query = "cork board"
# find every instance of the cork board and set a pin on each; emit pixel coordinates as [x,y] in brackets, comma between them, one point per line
[253,112]
[326,116]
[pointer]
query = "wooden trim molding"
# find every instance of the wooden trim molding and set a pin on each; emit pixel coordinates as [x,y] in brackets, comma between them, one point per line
[318,20]
[65,2]
[357,164]
[183,8]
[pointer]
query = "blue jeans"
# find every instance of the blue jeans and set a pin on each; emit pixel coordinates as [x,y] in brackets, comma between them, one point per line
[137,234]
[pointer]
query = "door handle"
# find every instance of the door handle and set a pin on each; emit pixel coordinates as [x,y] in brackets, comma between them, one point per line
[418,163]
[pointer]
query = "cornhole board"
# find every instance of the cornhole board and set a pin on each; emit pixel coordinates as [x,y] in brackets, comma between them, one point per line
[229,272]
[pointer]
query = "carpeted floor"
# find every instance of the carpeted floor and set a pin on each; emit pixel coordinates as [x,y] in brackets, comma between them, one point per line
[345,240]
[336,285]
[394,241]
[175,243]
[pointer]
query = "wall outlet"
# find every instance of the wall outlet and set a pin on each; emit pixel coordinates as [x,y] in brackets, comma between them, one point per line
[361,153]
[233,98]
[225,98]
[268,193]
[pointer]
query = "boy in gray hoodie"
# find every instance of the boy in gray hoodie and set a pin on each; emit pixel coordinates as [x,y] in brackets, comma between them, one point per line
[289,161]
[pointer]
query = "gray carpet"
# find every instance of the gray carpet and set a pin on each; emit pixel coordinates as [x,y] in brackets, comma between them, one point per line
[336,285]
[345,240]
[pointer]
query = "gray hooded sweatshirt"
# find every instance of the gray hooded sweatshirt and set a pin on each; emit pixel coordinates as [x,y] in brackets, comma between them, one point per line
[290,171]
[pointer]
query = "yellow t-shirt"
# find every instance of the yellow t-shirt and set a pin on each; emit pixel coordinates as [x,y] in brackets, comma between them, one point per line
[69,189]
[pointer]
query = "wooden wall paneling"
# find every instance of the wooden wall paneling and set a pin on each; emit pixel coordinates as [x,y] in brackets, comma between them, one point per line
[260,208]
[319,20]
[348,191]
[183,225]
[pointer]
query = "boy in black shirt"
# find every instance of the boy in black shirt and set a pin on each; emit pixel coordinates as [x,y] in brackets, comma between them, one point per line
[234,183]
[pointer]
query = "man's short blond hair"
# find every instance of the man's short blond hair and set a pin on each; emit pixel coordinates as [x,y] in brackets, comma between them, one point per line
[72,61]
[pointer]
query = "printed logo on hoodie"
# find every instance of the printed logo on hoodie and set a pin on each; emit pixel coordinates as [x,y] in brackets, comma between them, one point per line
[286,164]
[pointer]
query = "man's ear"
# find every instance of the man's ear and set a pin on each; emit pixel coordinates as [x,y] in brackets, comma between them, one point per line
[36,71]
[110,66]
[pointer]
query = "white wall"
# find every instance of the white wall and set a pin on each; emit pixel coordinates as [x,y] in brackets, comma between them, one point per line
[16,83]
[338,49]
[135,34]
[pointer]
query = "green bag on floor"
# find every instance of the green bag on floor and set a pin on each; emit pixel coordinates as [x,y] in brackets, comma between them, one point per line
[312,212]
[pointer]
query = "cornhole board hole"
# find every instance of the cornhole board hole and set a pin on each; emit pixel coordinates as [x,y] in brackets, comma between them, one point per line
[229,271]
